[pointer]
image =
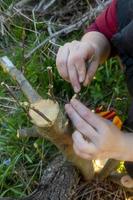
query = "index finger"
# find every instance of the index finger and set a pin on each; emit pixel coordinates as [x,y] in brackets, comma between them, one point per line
[80,124]
[95,121]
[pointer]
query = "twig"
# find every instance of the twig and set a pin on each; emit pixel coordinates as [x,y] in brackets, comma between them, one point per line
[100,3]
[50,77]
[66,30]
[9,107]
[38,7]
[12,94]
[22,3]
[25,110]
[35,27]
[7,99]
[41,114]
[50,30]
[25,86]
[48,5]
[110,101]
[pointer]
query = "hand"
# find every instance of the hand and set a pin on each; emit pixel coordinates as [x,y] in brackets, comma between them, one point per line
[71,63]
[95,137]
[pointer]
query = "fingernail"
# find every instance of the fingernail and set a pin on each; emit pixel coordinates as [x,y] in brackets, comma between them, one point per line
[85,84]
[76,89]
[72,100]
[66,106]
[81,79]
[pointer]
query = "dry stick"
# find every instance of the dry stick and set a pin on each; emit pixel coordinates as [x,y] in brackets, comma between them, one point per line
[50,76]
[50,29]
[22,3]
[7,99]
[45,7]
[38,7]
[66,30]
[27,89]
[86,17]
[99,2]
[15,98]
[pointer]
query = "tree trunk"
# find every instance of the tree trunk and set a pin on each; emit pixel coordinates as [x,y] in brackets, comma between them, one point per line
[60,178]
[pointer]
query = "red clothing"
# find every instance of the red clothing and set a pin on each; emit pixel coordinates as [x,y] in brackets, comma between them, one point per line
[106,22]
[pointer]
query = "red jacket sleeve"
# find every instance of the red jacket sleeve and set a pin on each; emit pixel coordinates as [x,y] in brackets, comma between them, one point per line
[106,22]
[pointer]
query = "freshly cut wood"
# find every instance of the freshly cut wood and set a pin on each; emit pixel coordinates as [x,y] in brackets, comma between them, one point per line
[48,108]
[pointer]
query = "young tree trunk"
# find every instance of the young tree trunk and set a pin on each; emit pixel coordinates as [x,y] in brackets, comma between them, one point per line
[49,120]
[60,178]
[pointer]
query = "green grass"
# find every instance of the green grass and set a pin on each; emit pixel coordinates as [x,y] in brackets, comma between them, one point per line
[23,160]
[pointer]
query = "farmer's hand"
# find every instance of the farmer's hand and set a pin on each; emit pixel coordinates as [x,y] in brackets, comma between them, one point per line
[72,57]
[95,137]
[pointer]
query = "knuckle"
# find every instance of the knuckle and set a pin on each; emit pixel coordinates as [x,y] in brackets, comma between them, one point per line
[86,115]
[80,126]
[67,45]
[74,42]
[59,62]
[73,58]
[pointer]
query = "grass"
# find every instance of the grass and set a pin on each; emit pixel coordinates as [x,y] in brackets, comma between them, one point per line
[23,160]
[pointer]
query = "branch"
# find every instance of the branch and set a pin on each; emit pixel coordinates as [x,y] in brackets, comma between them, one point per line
[28,132]
[109,167]
[27,89]
[65,31]
[21,3]
[116,178]
[88,16]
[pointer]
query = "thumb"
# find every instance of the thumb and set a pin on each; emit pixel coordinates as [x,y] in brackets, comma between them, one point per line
[92,68]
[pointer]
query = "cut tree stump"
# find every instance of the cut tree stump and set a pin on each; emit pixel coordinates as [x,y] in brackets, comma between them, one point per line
[60,178]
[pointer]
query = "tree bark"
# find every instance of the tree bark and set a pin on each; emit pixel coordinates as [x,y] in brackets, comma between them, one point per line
[58,182]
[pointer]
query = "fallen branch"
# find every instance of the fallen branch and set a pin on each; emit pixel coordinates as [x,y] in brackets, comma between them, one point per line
[21,3]
[88,16]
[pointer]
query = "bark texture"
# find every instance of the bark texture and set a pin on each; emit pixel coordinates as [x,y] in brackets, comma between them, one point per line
[58,182]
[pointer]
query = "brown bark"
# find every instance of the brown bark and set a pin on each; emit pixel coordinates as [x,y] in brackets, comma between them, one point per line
[58,182]
[109,167]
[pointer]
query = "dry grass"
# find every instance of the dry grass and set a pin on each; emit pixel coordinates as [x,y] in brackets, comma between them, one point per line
[105,190]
